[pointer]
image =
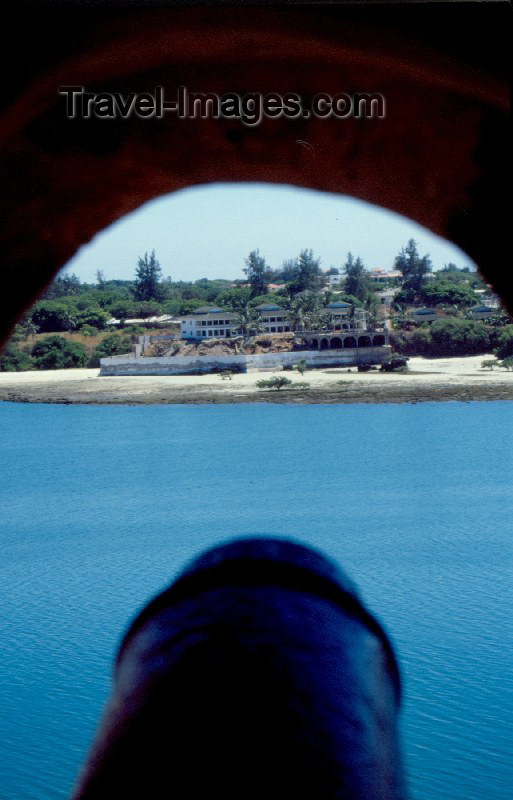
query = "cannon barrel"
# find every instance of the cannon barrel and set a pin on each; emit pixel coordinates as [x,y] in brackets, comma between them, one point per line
[257,673]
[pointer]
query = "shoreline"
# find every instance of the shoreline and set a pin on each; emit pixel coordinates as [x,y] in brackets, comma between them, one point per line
[427,380]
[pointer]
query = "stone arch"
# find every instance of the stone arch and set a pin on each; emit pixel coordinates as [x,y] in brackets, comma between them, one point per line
[378,341]
[350,341]
[335,343]
[364,341]
[89,173]
[314,344]
[324,344]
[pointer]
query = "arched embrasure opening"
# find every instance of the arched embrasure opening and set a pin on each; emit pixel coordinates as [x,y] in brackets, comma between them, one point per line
[89,173]
[349,341]
[335,343]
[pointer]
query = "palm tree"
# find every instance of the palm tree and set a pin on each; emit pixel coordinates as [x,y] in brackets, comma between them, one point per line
[248,321]
[30,330]
[329,322]
[305,312]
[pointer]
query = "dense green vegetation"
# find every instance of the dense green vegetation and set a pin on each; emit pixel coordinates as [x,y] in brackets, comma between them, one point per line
[82,311]
[55,352]
[446,337]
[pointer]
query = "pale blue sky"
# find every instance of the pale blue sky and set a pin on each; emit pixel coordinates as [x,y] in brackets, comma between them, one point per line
[207,232]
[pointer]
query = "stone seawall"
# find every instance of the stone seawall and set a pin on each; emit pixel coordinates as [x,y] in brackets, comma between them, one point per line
[263,362]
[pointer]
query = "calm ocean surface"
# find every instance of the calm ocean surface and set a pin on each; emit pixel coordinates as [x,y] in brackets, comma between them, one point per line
[101,506]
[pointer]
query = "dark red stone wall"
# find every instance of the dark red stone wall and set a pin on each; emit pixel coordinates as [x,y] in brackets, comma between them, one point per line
[439,156]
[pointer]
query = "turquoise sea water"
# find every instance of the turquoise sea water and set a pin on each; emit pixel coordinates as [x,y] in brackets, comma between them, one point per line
[101,506]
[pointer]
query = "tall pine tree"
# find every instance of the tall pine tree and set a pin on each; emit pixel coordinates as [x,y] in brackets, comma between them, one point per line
[257,273]
[147,279]
[307,273]
[414,269]
[357,279]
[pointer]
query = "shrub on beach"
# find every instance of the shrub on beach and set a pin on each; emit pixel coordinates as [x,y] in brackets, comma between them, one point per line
[395,363]
[278,382]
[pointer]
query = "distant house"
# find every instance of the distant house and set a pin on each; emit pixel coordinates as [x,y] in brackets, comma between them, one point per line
[208,322]
[488,298]
[424,314]
[481,312]
[344,317]
[214,322]
[386,297]
[165,319]
[332,279]
[381,275]
[274,318]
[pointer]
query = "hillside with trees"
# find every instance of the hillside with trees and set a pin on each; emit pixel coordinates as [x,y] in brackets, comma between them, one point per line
[71,325]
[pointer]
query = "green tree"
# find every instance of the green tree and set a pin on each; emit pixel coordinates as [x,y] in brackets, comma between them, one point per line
[454,337]
[235,298]
[113,345]
[256,271]
[443,292]
[51,316]
[357,280]
[371,309]
[506,363]
[63,286]
[123,309]
[305,312]
[94,317]
[148,309]
[186,306]
[308,273]
[100,279]
[12,359]
[505,342]
[147,279]
[248,321]
[287,273]
[414,269]
[56,352]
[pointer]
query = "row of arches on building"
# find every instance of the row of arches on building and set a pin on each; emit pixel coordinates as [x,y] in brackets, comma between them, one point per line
[339,342]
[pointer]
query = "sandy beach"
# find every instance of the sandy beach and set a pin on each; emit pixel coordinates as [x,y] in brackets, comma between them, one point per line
[426,380]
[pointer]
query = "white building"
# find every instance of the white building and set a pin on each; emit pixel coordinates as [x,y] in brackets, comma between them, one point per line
[208,322]
[214,322]
[382,276]
[333,281]
[274,318]
[344,317]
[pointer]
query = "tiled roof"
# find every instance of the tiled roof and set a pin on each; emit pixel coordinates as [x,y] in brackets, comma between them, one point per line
[208,310]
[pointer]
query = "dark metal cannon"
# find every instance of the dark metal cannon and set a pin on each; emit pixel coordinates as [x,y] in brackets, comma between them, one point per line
[257,673]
